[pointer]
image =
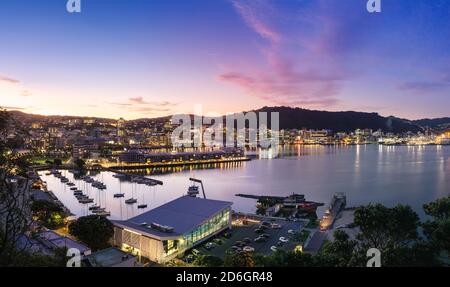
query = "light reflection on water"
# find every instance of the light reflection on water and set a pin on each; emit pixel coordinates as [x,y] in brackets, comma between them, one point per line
[385,174]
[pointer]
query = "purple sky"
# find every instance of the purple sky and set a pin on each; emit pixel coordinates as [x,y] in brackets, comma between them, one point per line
[137,58]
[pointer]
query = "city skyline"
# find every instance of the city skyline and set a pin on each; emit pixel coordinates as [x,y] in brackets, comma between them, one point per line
[137,59]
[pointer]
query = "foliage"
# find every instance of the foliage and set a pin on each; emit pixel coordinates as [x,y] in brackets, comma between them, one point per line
[382,227]
[14,202]
[208,261]
[27,259]
[95,231]
[438,230]
[239,259]
[80,164]
[50,214]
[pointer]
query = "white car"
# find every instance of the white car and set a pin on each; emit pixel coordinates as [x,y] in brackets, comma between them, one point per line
[276,226]
[273,248]
[291,231]
[248,249]
[283,239]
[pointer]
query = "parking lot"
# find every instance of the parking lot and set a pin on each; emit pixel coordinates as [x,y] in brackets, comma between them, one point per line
[244,230]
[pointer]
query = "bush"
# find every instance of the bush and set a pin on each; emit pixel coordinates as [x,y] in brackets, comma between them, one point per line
[50,214]
[208,261]
[94,230]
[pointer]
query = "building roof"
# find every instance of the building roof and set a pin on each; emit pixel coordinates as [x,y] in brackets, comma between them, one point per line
[109,257]
[183,214]
[55,240]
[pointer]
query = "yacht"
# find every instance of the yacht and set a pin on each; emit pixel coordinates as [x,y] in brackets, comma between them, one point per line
[104,213]
[142,206]
[86,200]
[94,207]
[131,201]
[117,195]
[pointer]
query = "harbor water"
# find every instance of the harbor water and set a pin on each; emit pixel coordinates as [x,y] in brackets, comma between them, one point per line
[390,175]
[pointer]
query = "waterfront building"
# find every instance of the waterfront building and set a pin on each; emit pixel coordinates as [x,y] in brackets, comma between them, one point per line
[167,231]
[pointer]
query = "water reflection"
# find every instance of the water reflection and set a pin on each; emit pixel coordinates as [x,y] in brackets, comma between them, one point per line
[385,174]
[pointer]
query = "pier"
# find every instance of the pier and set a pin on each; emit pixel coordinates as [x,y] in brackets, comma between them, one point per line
[130,175]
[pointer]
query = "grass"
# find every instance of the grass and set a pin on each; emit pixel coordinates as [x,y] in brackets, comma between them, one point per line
[41,160]
[313,223]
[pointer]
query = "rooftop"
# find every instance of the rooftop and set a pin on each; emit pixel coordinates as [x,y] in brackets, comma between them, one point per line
[183,214]
[108,257]
[57,241]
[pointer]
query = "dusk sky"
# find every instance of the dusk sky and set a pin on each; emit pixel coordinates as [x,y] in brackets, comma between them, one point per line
[139,58]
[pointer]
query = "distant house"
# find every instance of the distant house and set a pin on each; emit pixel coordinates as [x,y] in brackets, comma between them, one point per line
[110,257]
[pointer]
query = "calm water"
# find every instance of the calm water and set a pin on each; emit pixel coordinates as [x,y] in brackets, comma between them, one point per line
[389,175]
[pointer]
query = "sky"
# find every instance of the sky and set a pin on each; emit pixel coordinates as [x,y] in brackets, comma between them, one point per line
[139,58]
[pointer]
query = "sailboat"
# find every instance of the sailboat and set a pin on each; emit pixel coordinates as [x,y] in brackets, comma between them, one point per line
[143,205]
[131,200]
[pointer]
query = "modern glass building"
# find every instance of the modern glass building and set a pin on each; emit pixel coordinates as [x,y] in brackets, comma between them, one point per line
[169,230]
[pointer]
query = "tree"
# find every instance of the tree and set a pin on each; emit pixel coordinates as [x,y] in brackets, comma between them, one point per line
[208,261]
[239,259]
[94,230]
[14,200]
[57,161]
[382,227]
[438,230]
[50,214]
[341,252]
[80,164]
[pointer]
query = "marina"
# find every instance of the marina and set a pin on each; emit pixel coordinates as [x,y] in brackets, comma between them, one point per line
[355,169]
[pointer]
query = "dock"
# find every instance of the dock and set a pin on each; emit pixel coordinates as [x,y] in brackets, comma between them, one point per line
[155,181]
[337,204]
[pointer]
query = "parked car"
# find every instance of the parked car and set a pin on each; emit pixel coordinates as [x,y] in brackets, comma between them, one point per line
[196,252]
[218,241]
[280,244]
[190,258]
[210,245]
[263,227]
[265,235]
[247,240]
[276,226]
[239,243]
[291,231]
[248,249]
[283,239]
[227,235]
[259,230]
[265,223]
[259,239]
[273,248]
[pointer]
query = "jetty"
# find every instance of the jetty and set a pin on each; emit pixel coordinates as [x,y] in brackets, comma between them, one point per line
[337,204]
[293,201]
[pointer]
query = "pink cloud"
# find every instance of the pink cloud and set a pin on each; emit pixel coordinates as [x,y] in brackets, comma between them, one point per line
[253,19]
[309,77]
[8,80]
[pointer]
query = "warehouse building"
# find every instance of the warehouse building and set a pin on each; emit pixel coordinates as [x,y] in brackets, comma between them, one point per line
[167,231]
